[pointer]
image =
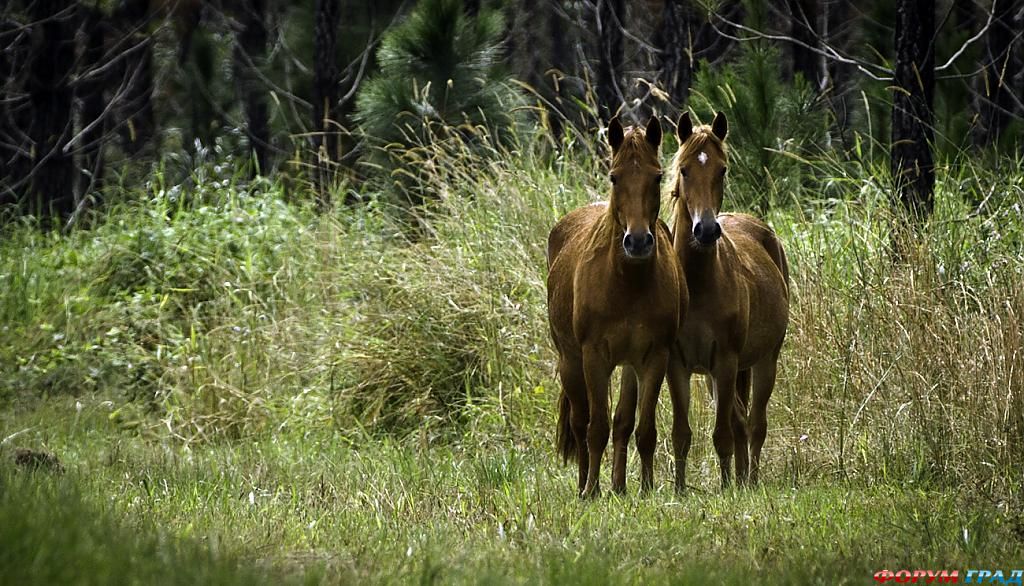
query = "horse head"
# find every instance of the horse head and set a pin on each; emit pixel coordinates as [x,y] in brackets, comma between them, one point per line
[700,166]
[636,181]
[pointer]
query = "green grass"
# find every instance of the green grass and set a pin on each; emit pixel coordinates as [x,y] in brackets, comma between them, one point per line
[245,389]
[498,511]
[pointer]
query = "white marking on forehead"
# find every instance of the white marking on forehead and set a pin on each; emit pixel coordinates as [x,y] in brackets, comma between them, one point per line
[702,158]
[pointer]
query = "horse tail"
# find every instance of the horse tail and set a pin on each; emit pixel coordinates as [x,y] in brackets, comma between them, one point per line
[565,440]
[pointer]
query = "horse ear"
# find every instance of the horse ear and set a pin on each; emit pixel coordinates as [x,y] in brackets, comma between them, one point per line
[654,132]
[684,127]
[615,134]
[720,126]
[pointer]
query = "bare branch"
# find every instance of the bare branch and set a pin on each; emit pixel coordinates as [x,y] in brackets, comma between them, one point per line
[830,53]
[968,42]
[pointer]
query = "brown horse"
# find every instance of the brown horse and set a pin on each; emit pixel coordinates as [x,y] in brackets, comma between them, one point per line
[614,297]
[736,272]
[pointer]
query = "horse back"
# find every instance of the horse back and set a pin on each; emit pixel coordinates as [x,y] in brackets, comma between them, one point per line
[744,226]
[763,261]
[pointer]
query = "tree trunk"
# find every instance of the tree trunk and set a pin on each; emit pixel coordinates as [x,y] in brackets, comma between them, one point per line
[557,32]
[249,55]
[675,39]
[135,110]
[913,168]
[804,27]
[840,24]
[994,102]
[92,100]
[325,95]
[538,54]
[610,16]
[15,116]
[51,190]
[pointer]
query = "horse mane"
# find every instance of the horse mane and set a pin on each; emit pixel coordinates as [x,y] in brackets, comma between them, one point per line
[700,139]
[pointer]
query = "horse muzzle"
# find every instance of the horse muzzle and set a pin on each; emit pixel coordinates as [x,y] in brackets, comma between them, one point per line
[707,232]
[638,246]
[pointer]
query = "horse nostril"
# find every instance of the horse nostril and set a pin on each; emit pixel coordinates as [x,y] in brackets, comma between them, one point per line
[698,229]
[648,240]
[627,242]
[718,230]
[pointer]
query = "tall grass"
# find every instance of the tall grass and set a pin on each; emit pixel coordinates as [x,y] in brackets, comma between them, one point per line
[224,312]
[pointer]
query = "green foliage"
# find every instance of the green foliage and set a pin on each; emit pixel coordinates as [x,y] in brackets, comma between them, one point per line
[772,125]
[380,404]
[440,78]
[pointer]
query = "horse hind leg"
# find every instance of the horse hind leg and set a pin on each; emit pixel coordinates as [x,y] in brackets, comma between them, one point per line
[574,418]
[622,427]
[597,371]
[764,383]
[740,434]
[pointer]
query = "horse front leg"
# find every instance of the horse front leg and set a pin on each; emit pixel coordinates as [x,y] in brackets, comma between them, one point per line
[740,434]
[724,376]
[622,427]
[597,370]
[647,431]
[679,392]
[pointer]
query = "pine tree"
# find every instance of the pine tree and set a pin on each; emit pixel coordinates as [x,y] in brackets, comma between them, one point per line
[439,69]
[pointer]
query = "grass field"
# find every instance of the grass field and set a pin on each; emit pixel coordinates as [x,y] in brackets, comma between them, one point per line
[242,391]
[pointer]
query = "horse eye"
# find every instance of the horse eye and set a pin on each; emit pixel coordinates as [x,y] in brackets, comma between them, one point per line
[613,178]
[724,169]
[659,176]
[683,173]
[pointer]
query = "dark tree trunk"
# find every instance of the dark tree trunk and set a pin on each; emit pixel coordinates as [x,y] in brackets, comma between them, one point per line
[249,55]
[994,99]
[804,27]
[686,37]
[1018,60]
[839,21]
[913,168]
[15,114]
[538,54]
[137,122]
[675,39]
[472,7]
[92,100]
[325,94]
[559,66]
[610,16]
[51,190]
